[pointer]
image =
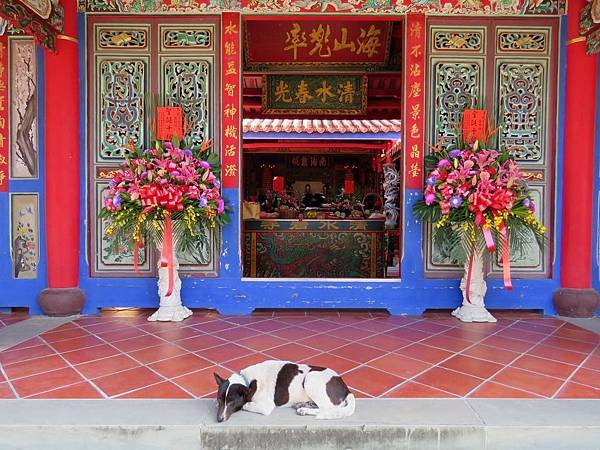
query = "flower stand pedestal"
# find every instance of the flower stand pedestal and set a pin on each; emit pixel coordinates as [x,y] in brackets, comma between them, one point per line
[171,309]
[473,308]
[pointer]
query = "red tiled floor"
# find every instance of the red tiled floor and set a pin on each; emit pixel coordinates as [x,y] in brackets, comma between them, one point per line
[106,366]
[34,366]
[417,390]
[78,390]
[472,366]
[495,390]
[528,381]
[160,390]
[395,356]
[449,381]
[371,381]
[46,381]
[128,380]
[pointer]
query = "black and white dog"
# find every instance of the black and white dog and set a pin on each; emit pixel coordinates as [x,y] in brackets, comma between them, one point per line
[260,388]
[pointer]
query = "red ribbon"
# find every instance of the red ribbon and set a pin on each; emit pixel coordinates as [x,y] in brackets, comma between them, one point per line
[489,240]
[166,254]
[505,258]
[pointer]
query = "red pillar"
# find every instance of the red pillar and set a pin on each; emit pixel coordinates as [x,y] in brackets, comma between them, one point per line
[63,295]
[576,298]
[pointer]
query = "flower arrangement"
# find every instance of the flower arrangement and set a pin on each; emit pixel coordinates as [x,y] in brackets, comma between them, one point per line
[476,196]
[164,183]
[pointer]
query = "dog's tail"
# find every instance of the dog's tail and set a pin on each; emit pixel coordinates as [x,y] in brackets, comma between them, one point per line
[341,411]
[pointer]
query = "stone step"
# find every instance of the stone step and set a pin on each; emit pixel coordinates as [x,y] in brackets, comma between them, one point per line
[377,424]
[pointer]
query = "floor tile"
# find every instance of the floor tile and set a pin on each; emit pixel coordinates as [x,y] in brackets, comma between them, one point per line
[78,390]
[447,343]
[544,366]
[43,382]
[156,353]
[556,354]
[201,383]
[588,377]
[12,356]
[293,333]
[291,351]
[165,389]
[122,334]
[428,326]
[358,352]
[5,391]
[33,342]
[409,334]
[76,343]
[516,333]
[575,390]
[386,342]
[579,334]
[399,365]
[411,389]
[200,342]
[336,363]
[449,381]
[472,366]
[215,325]
[371,381]
[469,334]
[261,342]
[350,333]
[508,344]
[245,361]
[236,334]
[528,381]
[89,354]
[180,365]
[121,382]
[54,336]
[34,366]
[268,325]
[593,362]
[570,344]
[489,389]
[225,352]
[323,342]
[106,366]
[138,343]
[493,354]
[424,353]
[378,326]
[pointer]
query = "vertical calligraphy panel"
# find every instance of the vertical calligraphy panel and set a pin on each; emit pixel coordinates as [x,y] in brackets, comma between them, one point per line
[414,99]
[231,106]
[4,134]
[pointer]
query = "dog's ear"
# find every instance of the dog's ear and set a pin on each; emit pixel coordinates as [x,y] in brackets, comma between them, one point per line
[251,390]
[218,379]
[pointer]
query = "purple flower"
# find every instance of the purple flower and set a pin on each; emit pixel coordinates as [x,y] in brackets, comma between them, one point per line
[112,183]
[444,163]
[168,145]
[526,202]
[454,153]
[532,206]
[217,184]
[116,201]
[175,173]
[220,205]
[204,165]
[187,153]
[202,202]
[431,181]
[455,201]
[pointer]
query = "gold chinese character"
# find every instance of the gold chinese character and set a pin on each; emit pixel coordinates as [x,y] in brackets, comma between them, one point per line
[1,102]
[230,150]
[230,170]
[2,138]
[282,92]
[416,111]
[368,42]
[296,39]
[2,47]
[269,225]
[359,225]
[414,151]
[2,122]
[230,111]
[415,30]
[346,92]
[231,28]
[337,46]
[415,51]
[1,70]
[302,93]
[231,70]
[2,85]
[230,89]
[230,48]
[415,90]
[414,170]
[329,225]
[2,177]
[320,37]
[414,131]
[3,160]
[231,131]
[324,91]
[299,225]
[415,70]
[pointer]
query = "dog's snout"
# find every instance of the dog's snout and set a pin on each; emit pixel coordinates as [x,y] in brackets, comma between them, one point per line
[220,418]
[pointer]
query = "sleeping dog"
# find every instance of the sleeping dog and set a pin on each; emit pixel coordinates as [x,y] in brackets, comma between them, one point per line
[312,390]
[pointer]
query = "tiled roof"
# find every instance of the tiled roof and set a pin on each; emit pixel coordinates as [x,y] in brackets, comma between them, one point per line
[320,126]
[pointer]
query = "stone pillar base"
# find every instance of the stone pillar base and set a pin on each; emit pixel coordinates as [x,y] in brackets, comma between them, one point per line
[571,302]
[61,301]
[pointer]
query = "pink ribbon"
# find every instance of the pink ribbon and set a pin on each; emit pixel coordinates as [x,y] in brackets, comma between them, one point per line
[505,258]
[166,254]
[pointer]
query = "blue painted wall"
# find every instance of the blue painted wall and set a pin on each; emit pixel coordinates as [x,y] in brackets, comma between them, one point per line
[230,294]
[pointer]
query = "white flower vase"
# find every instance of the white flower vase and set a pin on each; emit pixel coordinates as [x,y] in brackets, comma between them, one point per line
[473,308]
[170,309]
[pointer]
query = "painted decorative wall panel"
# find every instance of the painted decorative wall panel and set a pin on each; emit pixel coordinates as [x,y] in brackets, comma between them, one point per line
[24,151]
[25,235]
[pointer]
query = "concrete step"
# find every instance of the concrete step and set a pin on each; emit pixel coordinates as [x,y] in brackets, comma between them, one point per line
[378,424]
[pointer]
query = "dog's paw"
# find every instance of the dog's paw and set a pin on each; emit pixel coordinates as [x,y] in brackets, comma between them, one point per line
[307,411]
[304,405]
